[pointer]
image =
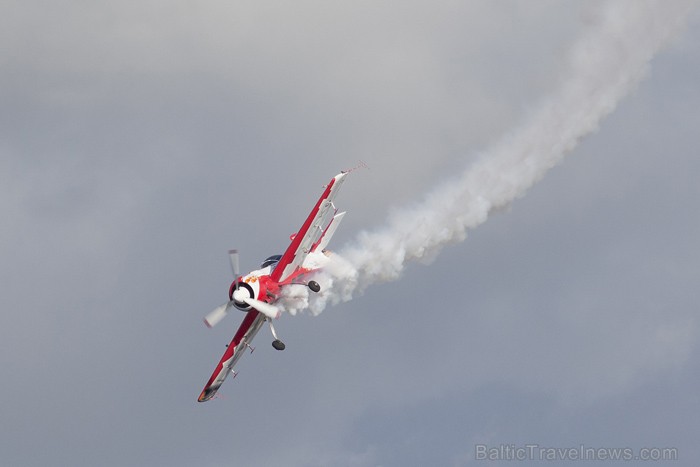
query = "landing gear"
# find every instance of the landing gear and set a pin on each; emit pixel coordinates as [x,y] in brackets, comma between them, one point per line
[277,343]
[313,285]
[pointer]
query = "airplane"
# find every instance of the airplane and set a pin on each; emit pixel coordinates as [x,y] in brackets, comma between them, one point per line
[256,292]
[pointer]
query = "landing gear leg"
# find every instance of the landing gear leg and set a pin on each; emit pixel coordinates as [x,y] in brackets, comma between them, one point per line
[277,343]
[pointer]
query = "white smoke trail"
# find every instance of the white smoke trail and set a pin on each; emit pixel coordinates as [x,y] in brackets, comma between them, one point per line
[604,65]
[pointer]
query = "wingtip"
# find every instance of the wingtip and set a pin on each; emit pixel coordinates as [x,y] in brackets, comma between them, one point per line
[360,165]
[207,394]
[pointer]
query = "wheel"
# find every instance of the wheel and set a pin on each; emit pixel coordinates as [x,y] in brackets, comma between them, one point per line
[278,344]
[313,285]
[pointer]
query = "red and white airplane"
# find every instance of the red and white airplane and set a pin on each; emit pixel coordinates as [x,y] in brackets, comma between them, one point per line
[257,292]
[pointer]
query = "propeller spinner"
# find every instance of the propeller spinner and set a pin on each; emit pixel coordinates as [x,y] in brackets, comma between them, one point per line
[240,296]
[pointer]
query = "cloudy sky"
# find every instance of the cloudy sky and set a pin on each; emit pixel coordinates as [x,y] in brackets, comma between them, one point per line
[141,140]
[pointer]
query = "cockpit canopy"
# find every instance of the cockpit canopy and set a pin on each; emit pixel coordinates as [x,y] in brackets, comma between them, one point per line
[271,261]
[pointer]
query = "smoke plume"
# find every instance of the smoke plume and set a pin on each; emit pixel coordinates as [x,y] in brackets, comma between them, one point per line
[604,65]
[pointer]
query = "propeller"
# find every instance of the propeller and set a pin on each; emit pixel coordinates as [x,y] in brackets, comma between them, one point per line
[233,257]
[216,315]
[220,312]
[271,311]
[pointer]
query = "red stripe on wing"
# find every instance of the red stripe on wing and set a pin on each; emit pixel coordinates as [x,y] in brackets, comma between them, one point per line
[291,251]
[209,391]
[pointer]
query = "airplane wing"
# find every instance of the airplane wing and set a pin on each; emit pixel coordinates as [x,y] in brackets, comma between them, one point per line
[244,336]
[315,232]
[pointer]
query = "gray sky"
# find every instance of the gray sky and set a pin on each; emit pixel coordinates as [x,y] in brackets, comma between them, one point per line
[140,141]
